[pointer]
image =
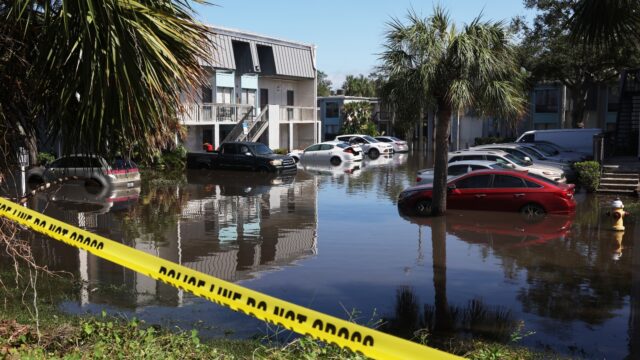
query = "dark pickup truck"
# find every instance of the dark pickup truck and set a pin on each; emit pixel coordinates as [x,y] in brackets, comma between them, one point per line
[242,156]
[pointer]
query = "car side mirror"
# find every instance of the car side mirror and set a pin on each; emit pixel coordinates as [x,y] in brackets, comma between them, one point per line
[527,159]
[248,154]
[451,187]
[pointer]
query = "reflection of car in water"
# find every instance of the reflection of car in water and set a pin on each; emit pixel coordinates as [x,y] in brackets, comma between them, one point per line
[77,197]
[324,168]
[510,228]
[232,183]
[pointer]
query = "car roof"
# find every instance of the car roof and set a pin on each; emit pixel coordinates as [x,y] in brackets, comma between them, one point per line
[473,162]
[477,151]
[505,145]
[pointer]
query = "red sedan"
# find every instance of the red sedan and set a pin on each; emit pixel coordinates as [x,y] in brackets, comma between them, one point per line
[495,190]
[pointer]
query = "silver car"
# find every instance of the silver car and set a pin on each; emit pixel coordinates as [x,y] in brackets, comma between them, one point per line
[93,170]
[398,145]
[425,176]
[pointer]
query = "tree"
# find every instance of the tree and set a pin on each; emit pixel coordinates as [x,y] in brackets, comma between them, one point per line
[359,86]
[454,70]
[606,23]
[324,84]
[100,75]
[356,119]
[551,53]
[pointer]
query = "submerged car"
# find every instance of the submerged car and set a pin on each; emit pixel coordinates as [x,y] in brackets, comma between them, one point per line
[372,147]
[94,170]
[398,144]
[425,176]
[333,152]
[495,190]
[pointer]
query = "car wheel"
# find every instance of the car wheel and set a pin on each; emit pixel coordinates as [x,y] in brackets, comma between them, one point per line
[374,153]
[95,187]
[423,207]
[335,161]
[532,211]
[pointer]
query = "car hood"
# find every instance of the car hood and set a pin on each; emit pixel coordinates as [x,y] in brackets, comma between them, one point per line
[548,168]
[276,156]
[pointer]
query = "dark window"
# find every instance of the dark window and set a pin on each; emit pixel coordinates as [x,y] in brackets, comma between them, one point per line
[342,145]
[266,59]
[528,138]
[229,149]
[613,99]
[546,101]
[290,101]
[384,139]
[312,148]
[505,181]
[207,94]
[474,182]
[326,147]
[332,110]
[455,170]
[478,167]
[531,184]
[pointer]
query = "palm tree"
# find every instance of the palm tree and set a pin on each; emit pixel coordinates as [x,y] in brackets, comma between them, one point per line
[457,70]
[104,75]
[606,23]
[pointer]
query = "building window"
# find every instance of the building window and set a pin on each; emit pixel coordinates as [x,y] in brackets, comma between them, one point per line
[223,95]
[613,98]
[207,94]
[332,110]
[248,96]
[546,101]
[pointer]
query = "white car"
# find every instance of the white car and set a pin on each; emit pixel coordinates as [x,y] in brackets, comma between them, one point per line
[370,146]
[425,176]
[398,145]
[527,154]
[333,152]
[513,162]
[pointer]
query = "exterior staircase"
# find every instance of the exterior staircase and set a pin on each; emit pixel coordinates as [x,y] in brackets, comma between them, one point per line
[628,118]
[617,181]
[250,127]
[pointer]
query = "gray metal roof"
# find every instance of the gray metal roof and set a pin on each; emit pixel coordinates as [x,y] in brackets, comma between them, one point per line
[290,58]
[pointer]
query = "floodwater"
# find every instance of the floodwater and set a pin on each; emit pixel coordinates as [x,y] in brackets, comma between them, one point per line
[331,239]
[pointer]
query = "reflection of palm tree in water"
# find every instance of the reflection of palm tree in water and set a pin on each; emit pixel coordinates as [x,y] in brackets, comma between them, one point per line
[443,320]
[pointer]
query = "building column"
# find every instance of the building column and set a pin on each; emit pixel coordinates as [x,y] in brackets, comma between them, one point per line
[290,147]
[216,135]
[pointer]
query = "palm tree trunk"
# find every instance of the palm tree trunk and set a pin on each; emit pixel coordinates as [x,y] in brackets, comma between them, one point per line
[439,253]
[578,99]
[439,205]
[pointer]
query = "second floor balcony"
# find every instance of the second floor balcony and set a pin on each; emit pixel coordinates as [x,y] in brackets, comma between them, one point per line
[211,113]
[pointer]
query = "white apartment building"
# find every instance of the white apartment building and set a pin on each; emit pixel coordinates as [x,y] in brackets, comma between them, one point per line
[259,89]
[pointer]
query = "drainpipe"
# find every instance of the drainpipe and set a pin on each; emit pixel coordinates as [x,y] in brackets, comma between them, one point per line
[563,106]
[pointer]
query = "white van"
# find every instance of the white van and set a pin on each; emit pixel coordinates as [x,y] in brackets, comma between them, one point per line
[580,140]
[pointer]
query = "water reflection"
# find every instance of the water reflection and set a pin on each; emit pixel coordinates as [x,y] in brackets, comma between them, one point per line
[227,224]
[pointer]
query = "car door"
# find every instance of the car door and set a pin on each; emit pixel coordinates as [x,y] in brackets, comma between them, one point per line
[228,155]
[310,153]
[326,152]
[508,193]
[471,192]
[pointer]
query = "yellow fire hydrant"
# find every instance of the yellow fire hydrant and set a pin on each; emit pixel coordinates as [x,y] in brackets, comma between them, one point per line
[618,214]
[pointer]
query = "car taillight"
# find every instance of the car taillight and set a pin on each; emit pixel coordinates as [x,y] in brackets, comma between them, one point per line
[349,150]
[418,179]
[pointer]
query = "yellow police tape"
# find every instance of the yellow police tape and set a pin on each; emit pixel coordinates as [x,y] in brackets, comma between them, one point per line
[304,321]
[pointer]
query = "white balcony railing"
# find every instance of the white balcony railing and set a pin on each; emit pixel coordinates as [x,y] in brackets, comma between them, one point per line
[212,112]
[296,113]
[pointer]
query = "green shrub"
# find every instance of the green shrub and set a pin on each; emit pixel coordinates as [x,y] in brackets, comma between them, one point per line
[588,174]
[45,158]
[175,159]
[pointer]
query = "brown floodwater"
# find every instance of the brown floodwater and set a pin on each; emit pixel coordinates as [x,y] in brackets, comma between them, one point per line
[331,239]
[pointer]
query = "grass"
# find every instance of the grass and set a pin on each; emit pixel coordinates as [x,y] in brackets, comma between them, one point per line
[55,335]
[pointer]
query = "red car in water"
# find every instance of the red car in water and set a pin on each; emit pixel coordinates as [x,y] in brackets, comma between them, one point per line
[495,190]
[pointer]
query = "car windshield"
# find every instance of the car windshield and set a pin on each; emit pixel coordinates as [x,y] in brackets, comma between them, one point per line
[370,139]
[394,138]
[499,166]
[261,149]
[542,150]
[515,160]
[548,148]
[532,154]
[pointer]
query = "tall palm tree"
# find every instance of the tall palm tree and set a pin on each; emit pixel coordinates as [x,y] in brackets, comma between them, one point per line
[104,75]
[457,70]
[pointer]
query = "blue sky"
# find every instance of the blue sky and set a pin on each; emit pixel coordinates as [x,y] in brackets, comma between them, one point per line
[348,33]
